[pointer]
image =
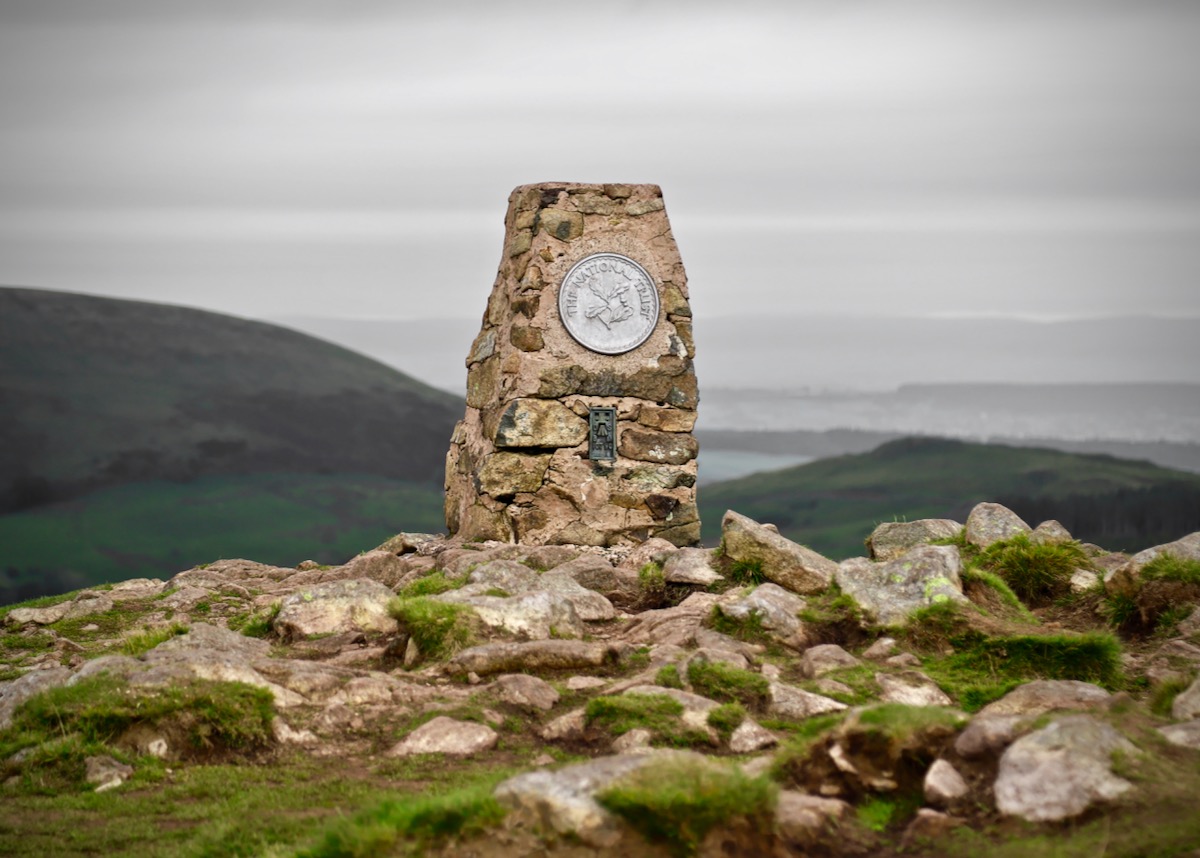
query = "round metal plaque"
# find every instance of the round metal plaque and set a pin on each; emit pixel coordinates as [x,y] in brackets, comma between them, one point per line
[608,303]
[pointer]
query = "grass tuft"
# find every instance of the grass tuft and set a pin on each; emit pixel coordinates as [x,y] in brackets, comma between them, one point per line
[728,684]
[726,718]
[143,642]
[677,803]
[746,572]
[432,584]
[1036,572]
[1168,567]
[620,713]
[440,629]
[668,677]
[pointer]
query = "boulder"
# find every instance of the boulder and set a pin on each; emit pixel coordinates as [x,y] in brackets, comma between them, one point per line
[532,655]
[621,587]
[991,522]
[1049,533]
[826,658]
[341,606]
[988,735]
[892,591]
[749,737]
[691,566]
[895,538]
[37,616]
[775,608]
[944,786]
[535,615]
[1126,580]
[527,692]
[445,735]
[386,567]
[677,625]
[911,689]
[1048,695]
[784,562]
[1186,735]
[796,704]
[1060,771]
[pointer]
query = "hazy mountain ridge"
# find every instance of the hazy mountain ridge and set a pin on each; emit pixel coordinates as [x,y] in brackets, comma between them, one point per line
[100,391]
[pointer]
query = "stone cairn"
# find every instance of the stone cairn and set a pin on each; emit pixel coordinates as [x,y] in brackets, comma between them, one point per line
[589,312]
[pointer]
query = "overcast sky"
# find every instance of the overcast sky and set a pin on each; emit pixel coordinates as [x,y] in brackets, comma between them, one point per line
[1035,159]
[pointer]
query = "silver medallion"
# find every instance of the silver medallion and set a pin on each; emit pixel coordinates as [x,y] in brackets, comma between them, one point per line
[608,303]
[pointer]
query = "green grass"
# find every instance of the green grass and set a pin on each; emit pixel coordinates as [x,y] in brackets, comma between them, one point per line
[619,713]
[998,585]
[410,825]
[834,617]
[668,677]
[1163,697]
[1168,567]
[728,684]
[900,721]
[255,624]
[432,584]
[440,629]
[746,572]
[677,803]
[879,813]
[652,586]
[1036,572]
[726,718]
[749,629]
[156,529]
[143,642]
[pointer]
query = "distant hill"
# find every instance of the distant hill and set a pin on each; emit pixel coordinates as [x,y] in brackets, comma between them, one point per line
[98,392]
[829,504]
[140,439]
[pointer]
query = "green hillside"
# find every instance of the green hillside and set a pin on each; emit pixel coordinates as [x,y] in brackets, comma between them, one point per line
[98,392]
[832,503]
[140,439]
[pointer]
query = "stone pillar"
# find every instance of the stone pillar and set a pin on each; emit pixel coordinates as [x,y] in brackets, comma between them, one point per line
[551,348]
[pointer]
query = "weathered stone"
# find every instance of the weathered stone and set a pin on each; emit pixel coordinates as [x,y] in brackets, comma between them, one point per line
[892,591]
[526,338]
[383,566]
[504,474]
[565,226]
[690,566]
[445,735]
[894,538]
[536,615]
[37,616]
[585,683]
[1186,735]
[341,606]
[1126,579]
[928,826]
[528,692]
[667,419]
[1187,703]
[14,693]
[539,423]
[565,727]
[826,658]
[991,522]
[483,380]
[988,735]
[651,445]
[784,562]
[1050,532]
[749,737]
[532,655]
[911,689]
[106,773]
[807,821]
[564,801]
[1060,771]
[620,587]
[797,704]
[944,786]
[883,648]
[775,608]
[545,557]
[1048,695]
[677,625]
[589,605]
[1083,580]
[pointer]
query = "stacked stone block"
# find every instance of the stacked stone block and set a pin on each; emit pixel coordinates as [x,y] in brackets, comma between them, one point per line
[517,469]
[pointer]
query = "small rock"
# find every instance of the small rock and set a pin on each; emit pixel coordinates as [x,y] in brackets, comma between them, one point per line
[783,562]
[1083,580]
[528,692]
[1050,532]
[891,591]
[826,658]
[287,735]
[911,689]
[37,616]
[565,727]
[991,522]
[1061,770]
[585,683]
[775,609]
[1186,735]
[807,820]
[106,773]
[634,740]
[691,566]
[445,735]
[987,735]
[1047,695]
[797,704]
[944,786]
[749,737]
[904,659]
[1187,703]
[928,824]
[881,649]
[831,686]
[542,760]
[895,538]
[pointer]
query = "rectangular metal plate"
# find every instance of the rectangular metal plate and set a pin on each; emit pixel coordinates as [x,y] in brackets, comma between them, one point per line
[602,434]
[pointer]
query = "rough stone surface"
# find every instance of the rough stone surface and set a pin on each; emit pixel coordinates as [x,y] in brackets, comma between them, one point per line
[528,692]
[784,562]
[911,689]
[826,658]
[806,821]
[883,648]
[690,566]
[106,773]
[749,737]
[991,522]
[892,591]
[1186,735]
[1048,695]
[1061,770]
[1187,703]
[531,655]
[894,538]
[1050,532]
[341,606]
[530,384]
[21,689]
[944,786]
[988,735]
[445,735]
[797,704]
[564,800]
[775,608]
[1126,580]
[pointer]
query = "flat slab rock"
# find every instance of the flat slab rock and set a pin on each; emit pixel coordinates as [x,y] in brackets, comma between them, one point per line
[340,606]
[532,655]
[444,735]
[786,563]
[1047,695]
[893,590]
[1060,771]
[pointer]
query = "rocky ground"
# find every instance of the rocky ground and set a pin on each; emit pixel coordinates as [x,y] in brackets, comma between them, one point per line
[968,689]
